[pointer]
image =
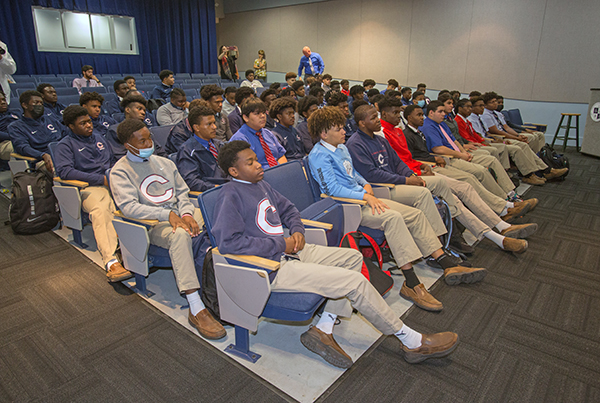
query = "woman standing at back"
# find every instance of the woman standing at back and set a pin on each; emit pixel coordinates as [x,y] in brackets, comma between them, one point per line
[227,57]
[260,66]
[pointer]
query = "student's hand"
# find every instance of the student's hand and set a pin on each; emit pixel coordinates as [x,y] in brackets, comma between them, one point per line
[177,222]
[48,161]
[192,224]
[95,78]
[299,241]
[426,170]
[105,181]
[369,189]
[522,138]
[415,181]
[470,147]
[440,161]
[466,156]
[377,206]
[290,244]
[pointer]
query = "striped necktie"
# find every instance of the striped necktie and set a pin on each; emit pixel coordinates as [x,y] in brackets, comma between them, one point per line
[268,154]
[213,150]
[454,147]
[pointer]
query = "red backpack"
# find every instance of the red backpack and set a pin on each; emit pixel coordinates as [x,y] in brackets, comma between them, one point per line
[381,279]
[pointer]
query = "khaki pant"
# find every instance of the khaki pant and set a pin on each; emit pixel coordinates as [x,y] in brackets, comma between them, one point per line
[503,154]
[480,172]
[335,274]
[179,244]
[524,158]
[536,140]
[6,148]
[406,229]
[97,202]
[493,163]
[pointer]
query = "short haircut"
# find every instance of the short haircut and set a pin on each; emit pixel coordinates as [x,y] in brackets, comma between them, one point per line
[164,74]
[289,75]
[445,97]
[297,84]
[305,103]
[488,96]
[248,72]
[372,91]
[315,84]
[334,83]
[358,103]
[211,90]
[27,95]
[499,97]
[243,93]
[228,90]
[417,94]
[86,67]
[336,98]
[324,119]
[278,105]
[393,82]
[253,105]
[40,88]
[126,128]
[266,93]
[443,92]
[130,99]
[117,83]
[90,96]
[129,78]
[433,106]
[344,82]
[316,91]
[199,102]
[362,112]
[287,92]
[196,114]
[71,113]
[177,92]
[392,94]
[310,80]
[454,92]
[409,109]
[421,85]
[476,99]
[376,99]
[369,81]
[405,90]
[327,77]
[131,92]
[461,104]
[388,103]
[474,94]
[356,89]
[228,154]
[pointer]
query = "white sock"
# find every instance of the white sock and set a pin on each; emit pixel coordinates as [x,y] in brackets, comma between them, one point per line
[502,225]
[110,263]
[409,337]
[326,323]
[496,238]
[510,204]
[506,207]
[196,304]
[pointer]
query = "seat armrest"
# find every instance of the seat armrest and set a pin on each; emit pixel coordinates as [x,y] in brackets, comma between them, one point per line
[23,157]
[345,200]
[150,223]
[76,183]
[257,261]
[317,224]
[427,163]
[387,185]
[194,194]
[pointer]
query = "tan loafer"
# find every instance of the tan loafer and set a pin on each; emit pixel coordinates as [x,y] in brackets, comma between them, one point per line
[514,245]
[325,345]
[421,297]
[467,275]
[435,345]
[116,272]
[207,326]
[520,231]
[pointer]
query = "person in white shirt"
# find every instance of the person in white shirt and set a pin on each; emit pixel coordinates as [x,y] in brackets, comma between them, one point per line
[7,68]
[250,81]
[88,79]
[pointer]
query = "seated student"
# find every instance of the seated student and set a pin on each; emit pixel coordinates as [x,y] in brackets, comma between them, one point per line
[175,110]
[287,92]
[235,117]
[250,81]
[370,93]
[299,89]
[368,84]
[6,118]
[121,88]
[275,87]
[213,94]
[356,92]
[422,87]
[519,129]
[533,169]
[496,124]
[88,79]
[310,81]
[406,94]
[455,95]
[418,98]
[318,93]
[283,111]
[51,104]
[474,94]
[441,141]
[345,84]
[135,108]
[326,82]
[182,130]
[31,135]
[392,84]
[229,102]
[340,101]
[290,78]
[376,161]
[406,229]
[85,156]
[397,95]
[163,90]
[140,192]
[263,142]
[335,86]
[197,158]
[130,80]
[267,97]
[330,272]
[92,102]
[306,107]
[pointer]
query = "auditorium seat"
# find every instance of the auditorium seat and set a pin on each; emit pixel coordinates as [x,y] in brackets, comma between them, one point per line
[66,91]
[99,90]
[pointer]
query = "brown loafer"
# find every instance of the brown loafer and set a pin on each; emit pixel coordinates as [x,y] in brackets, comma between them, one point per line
[325,345]
[421,297]
[435,345]
[207,326]
[556,173]
[533,202]
[116,272]
[533,180]
[467,275]
[514,245]
[520,209]
[520,231]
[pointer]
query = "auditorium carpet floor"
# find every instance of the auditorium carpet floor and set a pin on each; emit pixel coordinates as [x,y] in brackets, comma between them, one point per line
[529,332]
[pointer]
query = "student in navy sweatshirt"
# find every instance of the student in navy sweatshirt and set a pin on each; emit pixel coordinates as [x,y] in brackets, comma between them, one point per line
[51,105]
[283,111]
[250,221]
[306,106]
[84,155]
[197,157]
[92,102]
[235,117]
[114,105]
[182,130]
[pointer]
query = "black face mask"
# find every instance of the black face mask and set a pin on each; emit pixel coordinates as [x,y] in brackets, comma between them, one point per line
[499,108]
[37,111]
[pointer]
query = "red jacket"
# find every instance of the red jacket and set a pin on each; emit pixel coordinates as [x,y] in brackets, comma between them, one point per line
[396,138]
[465,129]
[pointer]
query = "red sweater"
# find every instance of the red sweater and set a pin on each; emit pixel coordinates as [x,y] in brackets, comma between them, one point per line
[396,138]
[465,129]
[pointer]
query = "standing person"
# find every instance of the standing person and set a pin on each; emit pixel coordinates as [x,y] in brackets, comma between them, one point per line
[7,67]
[88,79]
[311,63]
[227,62]
[260,66]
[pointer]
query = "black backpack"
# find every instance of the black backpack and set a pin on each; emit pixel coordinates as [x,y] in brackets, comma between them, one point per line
[33,208]
[209,288]
[554,160]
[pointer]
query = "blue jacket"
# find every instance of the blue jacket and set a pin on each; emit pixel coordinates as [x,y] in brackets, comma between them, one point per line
[6,119]
[113,106]
[31,137]
[434,136]
[376,160]
[290,139]
[162,91]
[198,166]
[83,158]
[302,129]
[179,134]
[235,120]
[317,62]
[119,149]
[247,134]
[55,111]
[350,127]
[335,173]
[102,123]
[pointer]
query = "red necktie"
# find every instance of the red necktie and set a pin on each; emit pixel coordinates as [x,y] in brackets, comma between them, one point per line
[213,150]
[270,159]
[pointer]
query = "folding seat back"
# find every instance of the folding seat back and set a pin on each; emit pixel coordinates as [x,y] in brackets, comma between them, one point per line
[160,134]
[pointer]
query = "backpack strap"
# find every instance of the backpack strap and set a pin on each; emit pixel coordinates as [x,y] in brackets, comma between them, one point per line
[375,248]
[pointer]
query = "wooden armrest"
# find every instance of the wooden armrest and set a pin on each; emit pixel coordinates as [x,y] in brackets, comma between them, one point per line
[76,183]
[385,185]
[194,194]
[141,221]
[345,200]
[444,155]
[23,157]
[427,163]
[534,124]
[250,259]
[317,224]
